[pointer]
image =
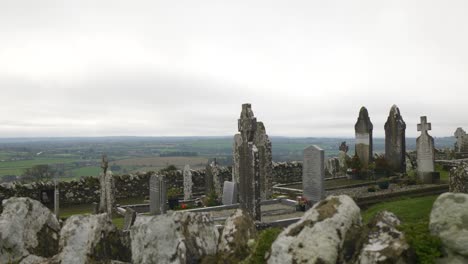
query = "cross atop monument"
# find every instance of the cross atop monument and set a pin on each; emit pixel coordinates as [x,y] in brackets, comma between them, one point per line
[424,126]
[247,123]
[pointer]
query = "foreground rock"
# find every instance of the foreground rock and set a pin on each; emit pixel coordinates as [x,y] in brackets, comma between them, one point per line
[449,221]
[173,238]
[325,234]
[90,239]
[28,230]
[384,243]
[238,230]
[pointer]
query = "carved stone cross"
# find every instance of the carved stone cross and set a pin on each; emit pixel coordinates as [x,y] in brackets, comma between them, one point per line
[247,124]
[459,133]
[424,126]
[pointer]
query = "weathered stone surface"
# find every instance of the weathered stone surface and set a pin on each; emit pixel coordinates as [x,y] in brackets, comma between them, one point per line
[213,170]
[332,167]
[188,183]
[321,234]
[395,142]
[363,130]
[313,174]
[129,218]
[237,143]
[90,239]
[449,221]
[461,145]
[239,228]
[173,238]
[229,193]
[342,158]
[263,144]
[107,201]
[249,163]
[458,179]
[27,228]
[385,243]
[158,194]
[425,152]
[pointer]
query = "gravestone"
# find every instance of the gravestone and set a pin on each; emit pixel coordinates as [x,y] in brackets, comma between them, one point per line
[188,183]
[106,180]
[249,175]
[313,174]
[461,145]
[229,193]
[363,130]
[332,167]
[158,194]
[217,180]
[425,152]
[209,185]
[263,144]
[395,144]
[56,199]
[129,218]
[237,143]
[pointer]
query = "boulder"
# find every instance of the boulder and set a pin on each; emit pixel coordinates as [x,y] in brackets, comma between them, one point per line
[90,239]
[384,242]
[449,221]
[325,234]
[239,228]
[27,228]
[180,237]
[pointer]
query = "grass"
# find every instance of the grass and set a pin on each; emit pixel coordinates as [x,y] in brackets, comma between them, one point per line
[86,171]
[263,245]
[444,175]
[414,213]
[18,167]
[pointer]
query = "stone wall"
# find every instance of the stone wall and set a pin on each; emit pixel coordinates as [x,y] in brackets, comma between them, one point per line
[86,190]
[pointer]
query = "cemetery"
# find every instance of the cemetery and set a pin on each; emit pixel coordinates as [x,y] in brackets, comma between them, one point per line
[344,209]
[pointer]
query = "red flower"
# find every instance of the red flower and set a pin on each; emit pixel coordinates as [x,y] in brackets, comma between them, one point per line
[183,206]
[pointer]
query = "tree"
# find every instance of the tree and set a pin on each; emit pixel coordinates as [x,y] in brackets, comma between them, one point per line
[39,172]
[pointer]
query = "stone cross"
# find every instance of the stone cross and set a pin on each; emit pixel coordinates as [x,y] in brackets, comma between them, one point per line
[263,144]
[363,131]
[395,142]
[104,163]
[313,174]
[249,171]
[424,126]
[462,140]
[158,194]
[425,152]
[188,183]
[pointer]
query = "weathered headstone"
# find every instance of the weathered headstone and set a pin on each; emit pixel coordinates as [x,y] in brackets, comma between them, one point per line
[188,183]
[343,147]
[229,193]
[263,144]
[209,185]
[425,152]
[237,143]
[158,194]
[313,174]
[249,175]
[106,179]
[363,129]
[332,167]
[213,179]
[461,145]
[395,143]
[56,199]
[129,218]
[458,179]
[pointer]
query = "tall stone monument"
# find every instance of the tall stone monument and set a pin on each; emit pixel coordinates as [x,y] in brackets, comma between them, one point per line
[188,183]
[249,168]
[263,144]
[313,174]
[106,180]
[363,130]
[158,194]
[461,145]
[213,180]
[395,144]
[209,185]
[425,152]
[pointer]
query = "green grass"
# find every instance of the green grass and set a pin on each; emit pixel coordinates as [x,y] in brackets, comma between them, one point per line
[444,175]
[18,167]
[414,213]
[86,171]
[264,241]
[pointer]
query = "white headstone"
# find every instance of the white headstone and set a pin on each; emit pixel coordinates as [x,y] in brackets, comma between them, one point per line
[158,195]
[229,193]
[313,174]
[425,149]
[188,184]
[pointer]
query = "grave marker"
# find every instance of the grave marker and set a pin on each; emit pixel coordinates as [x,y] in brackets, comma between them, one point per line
[158,194]
[313,174]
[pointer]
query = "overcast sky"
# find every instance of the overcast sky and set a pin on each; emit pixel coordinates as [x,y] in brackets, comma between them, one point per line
[162,68]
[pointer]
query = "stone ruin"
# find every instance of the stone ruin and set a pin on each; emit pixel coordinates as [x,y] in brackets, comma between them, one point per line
[395,142]
[363,130]
[106,181]
[247,155]
[461,145]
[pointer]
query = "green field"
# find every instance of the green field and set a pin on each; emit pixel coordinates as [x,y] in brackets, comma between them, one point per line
[17,167]
[86,171]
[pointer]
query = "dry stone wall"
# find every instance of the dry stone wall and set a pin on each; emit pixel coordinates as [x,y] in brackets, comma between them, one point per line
[86,190]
